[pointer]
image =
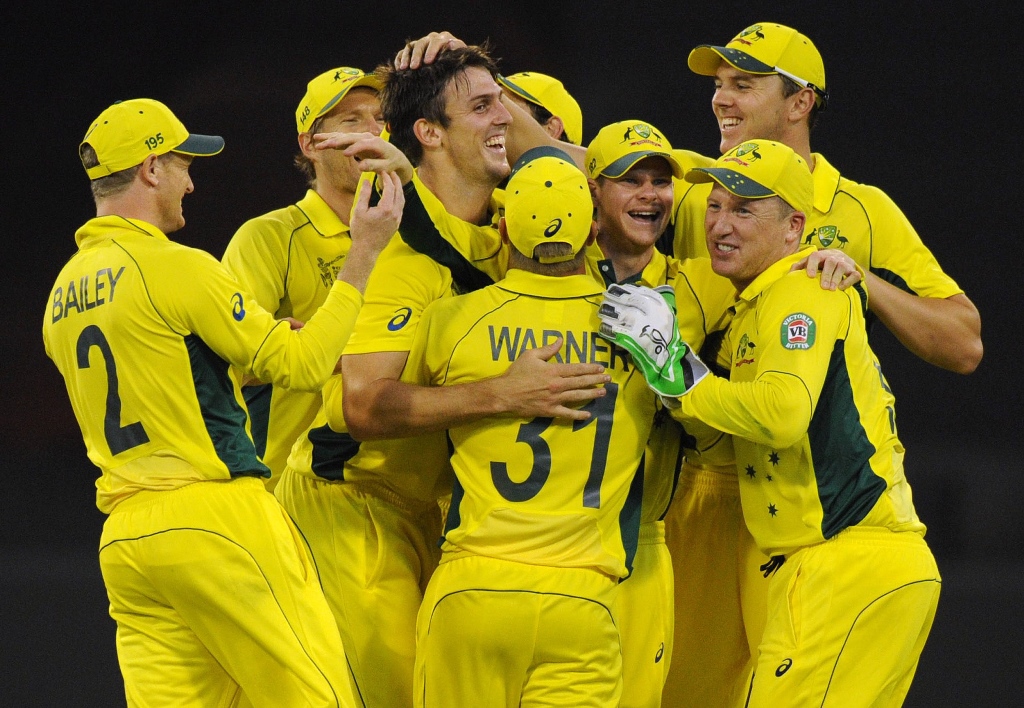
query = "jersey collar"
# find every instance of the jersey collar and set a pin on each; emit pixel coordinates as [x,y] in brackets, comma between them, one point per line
[321,216]
[826,184]
[655,273]
[552,288]
[107,227]
[773,273]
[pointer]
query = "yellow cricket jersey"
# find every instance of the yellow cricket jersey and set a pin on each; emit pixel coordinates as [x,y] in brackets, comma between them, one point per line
[401,286]
[146,354]
[812,416]
[542,491]
[288,259]
[856,218]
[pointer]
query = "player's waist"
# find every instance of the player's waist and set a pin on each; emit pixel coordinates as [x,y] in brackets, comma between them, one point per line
[412,506]
[651,533]
[709,479]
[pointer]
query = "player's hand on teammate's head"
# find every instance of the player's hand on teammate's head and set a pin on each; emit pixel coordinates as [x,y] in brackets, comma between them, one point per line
[424,50]
[838,270]
[533,386]
[374,226]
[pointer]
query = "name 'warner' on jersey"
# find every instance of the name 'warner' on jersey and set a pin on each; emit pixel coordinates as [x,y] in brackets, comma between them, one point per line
[146,357]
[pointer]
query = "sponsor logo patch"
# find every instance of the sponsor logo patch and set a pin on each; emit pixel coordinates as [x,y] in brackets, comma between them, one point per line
[237,307]
[798,331]
[401,317]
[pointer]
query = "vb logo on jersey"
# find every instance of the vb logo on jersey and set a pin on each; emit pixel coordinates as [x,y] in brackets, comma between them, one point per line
[798,331]
[237,307]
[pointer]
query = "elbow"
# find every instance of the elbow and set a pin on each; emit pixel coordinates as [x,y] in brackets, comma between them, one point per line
[789,420]
[970,357]
[357,419]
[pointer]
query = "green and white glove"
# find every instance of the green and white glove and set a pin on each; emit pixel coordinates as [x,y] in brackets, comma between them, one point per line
[642,321]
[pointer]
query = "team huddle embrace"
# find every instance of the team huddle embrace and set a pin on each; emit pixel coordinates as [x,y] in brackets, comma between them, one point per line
[493,417]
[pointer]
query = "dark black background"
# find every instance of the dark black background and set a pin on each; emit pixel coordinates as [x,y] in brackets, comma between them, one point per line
[925,104]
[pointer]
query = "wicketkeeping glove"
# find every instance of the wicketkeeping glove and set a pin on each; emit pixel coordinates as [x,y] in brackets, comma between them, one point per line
[642,321]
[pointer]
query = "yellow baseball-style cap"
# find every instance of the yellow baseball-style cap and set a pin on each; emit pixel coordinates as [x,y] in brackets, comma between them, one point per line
[128,132]
[761,168]
[619,146]
[547,200]
[767,48]
[324,92]
[548,93]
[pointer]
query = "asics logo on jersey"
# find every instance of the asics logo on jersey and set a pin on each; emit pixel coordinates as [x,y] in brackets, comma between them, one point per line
[400,319]
[553,228]
[783,667]
[237,307]
[660,654]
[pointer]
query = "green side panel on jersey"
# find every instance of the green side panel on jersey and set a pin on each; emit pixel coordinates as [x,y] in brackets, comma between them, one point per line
[257,400]
[223,417]
[454,512]
[841,452]
[331,450]
[418,231]
[629,517]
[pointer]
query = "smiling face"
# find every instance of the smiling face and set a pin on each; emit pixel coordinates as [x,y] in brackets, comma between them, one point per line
[633,210]
[474,139]
[174,184]
[746,236]
[749,106]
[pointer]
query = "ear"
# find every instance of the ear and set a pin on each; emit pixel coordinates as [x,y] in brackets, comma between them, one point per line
[593,233]
[555,127]
[306,145]
[595,190]
[503,230]
[429,134]
[801,104]
[149,171]
[797,222]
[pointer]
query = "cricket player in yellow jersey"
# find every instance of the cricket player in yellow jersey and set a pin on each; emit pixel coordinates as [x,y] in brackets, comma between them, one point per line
[287,258]
[211,587]
[370,510]
[545,512]
[853,587]
[770,83]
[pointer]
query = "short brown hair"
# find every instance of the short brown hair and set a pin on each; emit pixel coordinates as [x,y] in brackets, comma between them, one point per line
[411,94]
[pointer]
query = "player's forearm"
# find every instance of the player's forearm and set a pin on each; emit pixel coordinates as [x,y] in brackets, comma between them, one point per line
[943,332]
[388,408]
[774,410]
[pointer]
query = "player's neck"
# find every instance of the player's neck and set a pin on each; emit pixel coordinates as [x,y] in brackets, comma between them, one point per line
[338,199]
[132,205]
[625,262]
[464,199]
